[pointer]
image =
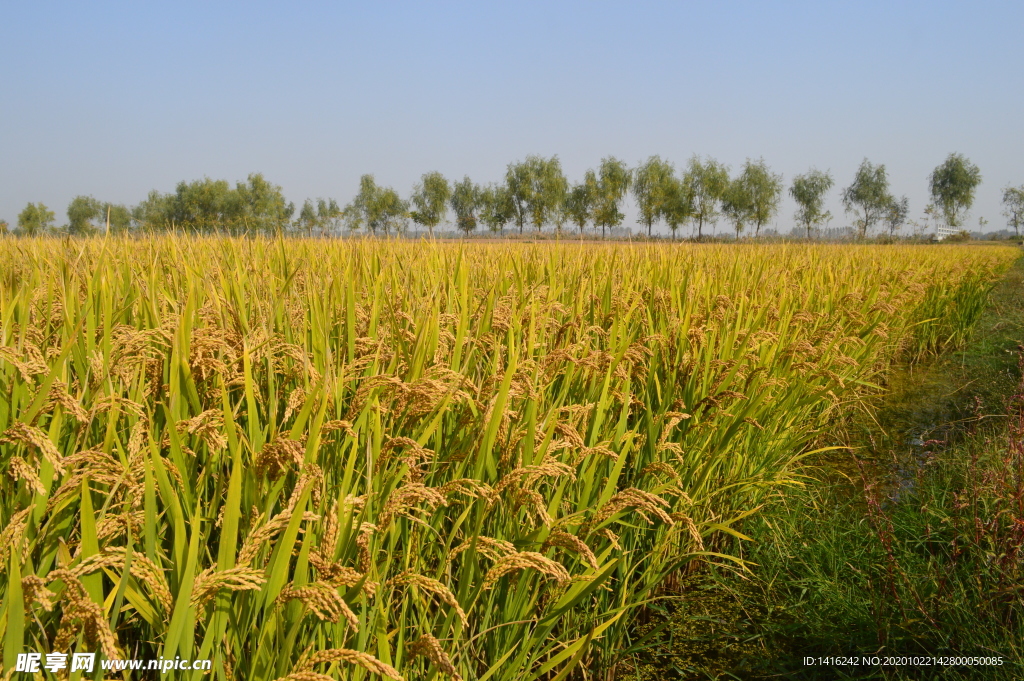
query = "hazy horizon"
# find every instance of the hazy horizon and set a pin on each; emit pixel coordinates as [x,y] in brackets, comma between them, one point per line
[114,100]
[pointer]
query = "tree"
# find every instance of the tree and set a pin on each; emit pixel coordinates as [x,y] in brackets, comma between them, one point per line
[262,205]
[738,204]
[4,227]
[579,203]
[763,189]
[376,207]
[328,214]
[613,179]
[707,182]
[465,201]
[537,188]
[430,199]
[678,206]
[952,187]
[868,194]
[896,214]
[116,217]
[35,219]
[1013,207]
[809,191]
[206,205]
[651,181]
[496,208]
[81,212]
[308,219]
[155,212]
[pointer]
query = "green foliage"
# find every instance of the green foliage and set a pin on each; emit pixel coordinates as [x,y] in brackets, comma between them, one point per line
[753,196]
[809,191]
[679,203]
[1013,207]
[868,194]
[896,214]
[117,217]
[465,200]
[376,208]
[579,203]
[307,220]
[537,188]
[4,227]
[653,182]
[737,204]
[707,182]
[264,208]
[82,212]
[609,187]
[323,215]
[204,206]
[496,208]
[35,219]
[155,212]
[952,187]
[764,189]
[430,198]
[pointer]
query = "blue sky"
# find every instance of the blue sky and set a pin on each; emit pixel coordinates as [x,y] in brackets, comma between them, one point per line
[116,99]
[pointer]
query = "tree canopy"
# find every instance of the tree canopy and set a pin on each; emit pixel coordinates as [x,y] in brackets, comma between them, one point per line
[35,219]
[430,200]
[1013,207]
[952,186]
[867,196]
[809,190]
[707,182]
[608,186]
[376,208]
[465,201]
[652,185]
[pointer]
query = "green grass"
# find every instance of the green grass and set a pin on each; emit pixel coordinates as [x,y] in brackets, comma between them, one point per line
[900,549]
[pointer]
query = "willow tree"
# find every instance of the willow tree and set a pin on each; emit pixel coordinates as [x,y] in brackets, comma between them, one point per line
[465,201]
[1013,207]
[35,219]
[678,207]
[809,192]
[707,182]
[609,187]
[376,208]
[867,197]
[82,212]
[430,200]
[763,189]
[952,186]
[579,203]
[496,209]
[537,188]
[652,181]
[737,204]
[896,214]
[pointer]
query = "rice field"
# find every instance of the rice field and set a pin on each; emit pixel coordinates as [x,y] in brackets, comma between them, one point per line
[363,459]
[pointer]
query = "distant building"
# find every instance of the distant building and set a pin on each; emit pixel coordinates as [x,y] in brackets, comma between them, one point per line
[943,231]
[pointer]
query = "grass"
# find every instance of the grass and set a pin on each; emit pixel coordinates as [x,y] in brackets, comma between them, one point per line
[310,460]
[915,550]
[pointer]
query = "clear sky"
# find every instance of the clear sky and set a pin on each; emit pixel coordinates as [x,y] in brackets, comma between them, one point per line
[116,99]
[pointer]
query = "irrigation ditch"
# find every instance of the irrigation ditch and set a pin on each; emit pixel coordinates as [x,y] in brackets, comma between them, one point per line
[909,543]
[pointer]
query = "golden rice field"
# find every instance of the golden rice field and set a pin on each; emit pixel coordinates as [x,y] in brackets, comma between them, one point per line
[316,460]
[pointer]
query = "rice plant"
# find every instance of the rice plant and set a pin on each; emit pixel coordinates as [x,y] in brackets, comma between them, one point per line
[374,459]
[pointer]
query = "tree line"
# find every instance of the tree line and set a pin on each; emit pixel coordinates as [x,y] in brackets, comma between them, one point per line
[536,194]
